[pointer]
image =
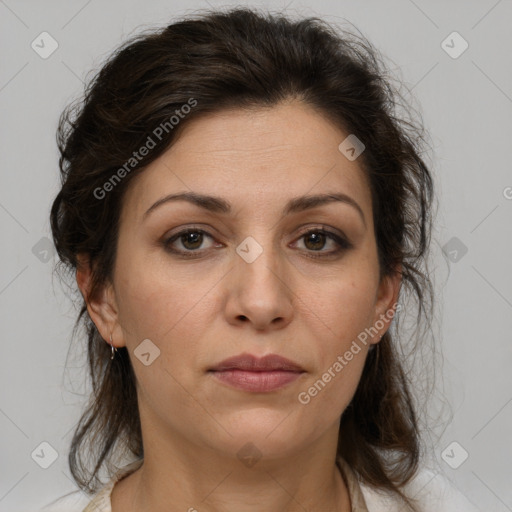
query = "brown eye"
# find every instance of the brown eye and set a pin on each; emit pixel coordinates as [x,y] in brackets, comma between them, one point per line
[314,240]
[188,242]
[192,240]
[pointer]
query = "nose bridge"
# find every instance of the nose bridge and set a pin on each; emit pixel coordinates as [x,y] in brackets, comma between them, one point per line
[259,259]
[261,293]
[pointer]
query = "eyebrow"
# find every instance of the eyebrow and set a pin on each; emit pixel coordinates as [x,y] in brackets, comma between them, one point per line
[294,205]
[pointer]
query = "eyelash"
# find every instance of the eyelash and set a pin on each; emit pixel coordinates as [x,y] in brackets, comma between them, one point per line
[342,243]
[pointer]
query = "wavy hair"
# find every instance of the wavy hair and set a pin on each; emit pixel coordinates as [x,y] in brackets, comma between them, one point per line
[243,58]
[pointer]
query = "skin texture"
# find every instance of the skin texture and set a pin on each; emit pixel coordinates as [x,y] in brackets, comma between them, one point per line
[199,311]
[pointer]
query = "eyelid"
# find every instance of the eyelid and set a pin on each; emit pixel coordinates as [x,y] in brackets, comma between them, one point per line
[322,227]
[337,236]
[201,228]
[171,238]
[302,229]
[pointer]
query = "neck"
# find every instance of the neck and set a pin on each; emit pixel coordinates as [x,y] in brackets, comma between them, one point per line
[194,479]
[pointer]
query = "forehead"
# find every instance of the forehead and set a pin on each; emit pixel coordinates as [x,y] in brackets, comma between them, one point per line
[254,158]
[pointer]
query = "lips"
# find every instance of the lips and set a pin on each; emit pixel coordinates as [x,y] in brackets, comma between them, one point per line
[249,373]
[250,363]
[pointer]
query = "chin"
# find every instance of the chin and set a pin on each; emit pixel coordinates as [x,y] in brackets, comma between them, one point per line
[265,434]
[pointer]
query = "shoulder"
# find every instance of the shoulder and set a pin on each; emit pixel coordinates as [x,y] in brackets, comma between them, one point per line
[430,490]
[80,502]
[75,501]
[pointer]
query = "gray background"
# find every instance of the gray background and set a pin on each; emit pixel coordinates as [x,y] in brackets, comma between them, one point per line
[466,104]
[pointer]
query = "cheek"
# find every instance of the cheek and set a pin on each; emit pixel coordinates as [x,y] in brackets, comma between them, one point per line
[343,309]
[337,321]
[342,300]
[152,308]
[168,307]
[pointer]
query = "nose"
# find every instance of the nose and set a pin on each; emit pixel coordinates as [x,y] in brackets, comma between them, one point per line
[260,292]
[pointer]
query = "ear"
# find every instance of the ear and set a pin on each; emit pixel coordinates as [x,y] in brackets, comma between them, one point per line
[386,302]
[101,305]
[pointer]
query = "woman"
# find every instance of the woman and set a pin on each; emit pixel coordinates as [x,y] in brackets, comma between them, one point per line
[241,209]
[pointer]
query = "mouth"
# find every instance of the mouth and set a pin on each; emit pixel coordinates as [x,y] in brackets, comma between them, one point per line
[250,373]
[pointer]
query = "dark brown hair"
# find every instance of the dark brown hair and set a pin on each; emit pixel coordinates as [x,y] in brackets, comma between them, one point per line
[242,59]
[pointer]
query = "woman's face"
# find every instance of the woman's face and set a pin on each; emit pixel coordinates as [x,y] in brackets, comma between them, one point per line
[247,279]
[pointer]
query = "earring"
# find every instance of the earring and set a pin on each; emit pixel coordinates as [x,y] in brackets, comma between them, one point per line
[114,349]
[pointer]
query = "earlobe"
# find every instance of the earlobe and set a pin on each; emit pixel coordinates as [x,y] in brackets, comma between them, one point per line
[101,304]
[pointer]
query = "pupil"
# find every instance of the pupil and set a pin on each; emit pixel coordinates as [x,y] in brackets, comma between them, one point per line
[193,238]
[319,240]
